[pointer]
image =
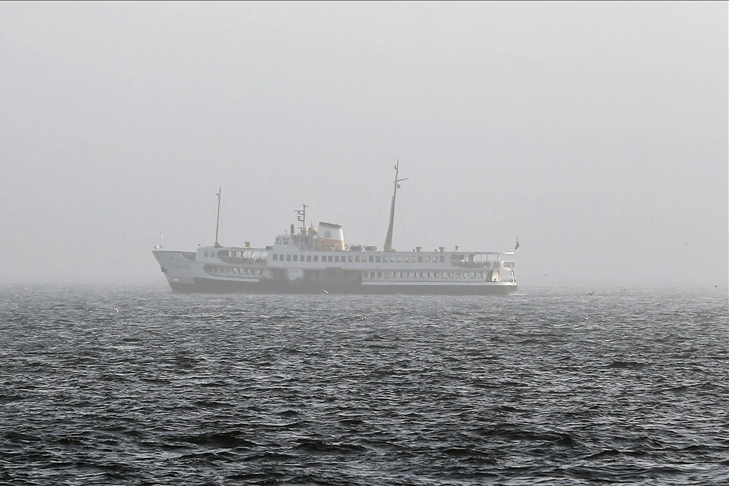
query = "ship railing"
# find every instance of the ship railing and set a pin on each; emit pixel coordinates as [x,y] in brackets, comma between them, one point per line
[243,260]
[487,264]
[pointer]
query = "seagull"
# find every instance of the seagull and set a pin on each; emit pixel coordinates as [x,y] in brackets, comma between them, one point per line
[117,310]
[544,274]
[590,293]
[325,291]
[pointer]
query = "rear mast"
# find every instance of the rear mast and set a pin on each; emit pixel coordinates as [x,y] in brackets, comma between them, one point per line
[388,238]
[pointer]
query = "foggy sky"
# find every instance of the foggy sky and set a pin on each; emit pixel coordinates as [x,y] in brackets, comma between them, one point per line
[596,133]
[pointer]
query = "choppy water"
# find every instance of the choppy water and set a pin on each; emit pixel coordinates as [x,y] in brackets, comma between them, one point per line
[139,386]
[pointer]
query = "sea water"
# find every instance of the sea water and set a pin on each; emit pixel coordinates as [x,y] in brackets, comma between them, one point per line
[136,385]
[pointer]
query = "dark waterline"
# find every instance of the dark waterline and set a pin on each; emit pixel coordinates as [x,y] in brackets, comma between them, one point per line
[135,385]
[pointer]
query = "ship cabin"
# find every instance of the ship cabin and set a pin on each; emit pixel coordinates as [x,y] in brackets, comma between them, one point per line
[240,262]
[316,253]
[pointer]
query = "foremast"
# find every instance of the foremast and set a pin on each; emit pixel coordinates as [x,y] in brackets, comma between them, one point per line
[388,238]
[217,219]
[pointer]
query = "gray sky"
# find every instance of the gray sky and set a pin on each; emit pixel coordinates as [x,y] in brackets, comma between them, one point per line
[596,133]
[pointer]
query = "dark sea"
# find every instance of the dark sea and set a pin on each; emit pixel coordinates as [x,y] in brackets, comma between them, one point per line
[135,385]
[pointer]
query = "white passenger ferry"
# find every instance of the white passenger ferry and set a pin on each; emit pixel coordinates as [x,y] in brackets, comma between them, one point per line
[318,260]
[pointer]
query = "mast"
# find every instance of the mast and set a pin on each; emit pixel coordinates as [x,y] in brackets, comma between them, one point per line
[217,220]
[302,218]
[388,238]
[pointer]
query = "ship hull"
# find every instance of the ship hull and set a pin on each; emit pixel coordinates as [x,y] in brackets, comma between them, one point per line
[214,286]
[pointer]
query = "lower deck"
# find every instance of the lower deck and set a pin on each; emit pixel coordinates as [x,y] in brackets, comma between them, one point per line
[215,286]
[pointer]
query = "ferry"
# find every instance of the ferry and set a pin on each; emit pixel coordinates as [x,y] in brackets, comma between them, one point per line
[317,260]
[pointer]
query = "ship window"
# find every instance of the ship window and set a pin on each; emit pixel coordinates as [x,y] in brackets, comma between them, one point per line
[316,258]
[442,259]
[275,257]
[372,259]
[379,274]
[473,274]
[420,259]
[399,258]
[377,259]
[308,258]
[350,259]
[413,258]
[296,258]
[450,274]
[427,259]
[329,258]
[286,241]
[356,258]
[336,258]
[288,258]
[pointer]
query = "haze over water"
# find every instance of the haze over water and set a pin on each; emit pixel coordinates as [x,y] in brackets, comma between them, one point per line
[136,385]
[594,132]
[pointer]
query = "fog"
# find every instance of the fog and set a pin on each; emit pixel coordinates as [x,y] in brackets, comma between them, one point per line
[596,133]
